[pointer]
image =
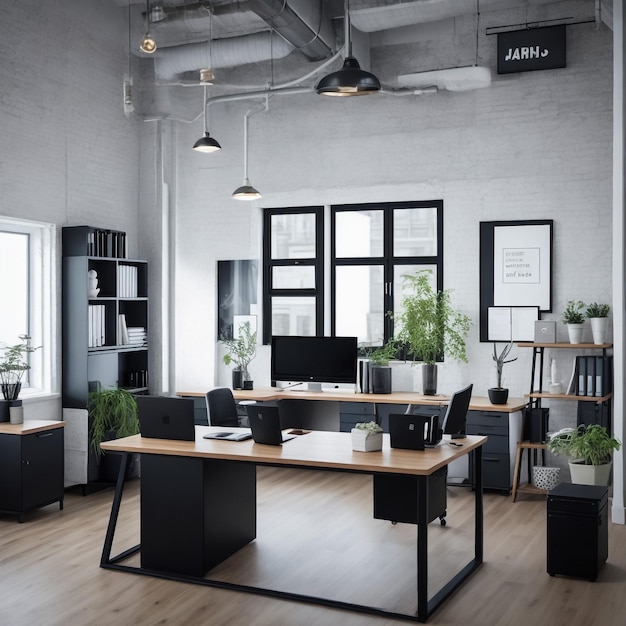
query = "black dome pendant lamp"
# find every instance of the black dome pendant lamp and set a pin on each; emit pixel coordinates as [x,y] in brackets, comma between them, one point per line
[350,80]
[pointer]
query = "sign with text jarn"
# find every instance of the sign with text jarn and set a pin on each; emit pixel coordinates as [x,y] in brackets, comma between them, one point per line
[531,49]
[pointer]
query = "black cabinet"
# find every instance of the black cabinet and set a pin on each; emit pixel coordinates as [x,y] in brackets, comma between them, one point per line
[351,413]
[496,451]
[31,466]
[577,533]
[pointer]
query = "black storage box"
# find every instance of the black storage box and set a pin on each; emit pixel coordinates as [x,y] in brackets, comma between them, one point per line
[577,534]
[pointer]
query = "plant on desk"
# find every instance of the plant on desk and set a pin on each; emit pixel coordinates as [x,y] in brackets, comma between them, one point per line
[590,449]
[598,316]
[430,327]
[380,371]
[241,350]
[499,394]
[367,437]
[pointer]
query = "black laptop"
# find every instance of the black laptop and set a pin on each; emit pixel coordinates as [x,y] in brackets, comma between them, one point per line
[163,417]
[265,424]
[407,431]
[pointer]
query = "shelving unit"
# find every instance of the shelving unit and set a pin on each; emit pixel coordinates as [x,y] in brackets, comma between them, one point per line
[591,409]
[96,352]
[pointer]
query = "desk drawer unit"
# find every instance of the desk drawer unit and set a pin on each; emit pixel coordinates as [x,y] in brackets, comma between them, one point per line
[351,413]
[496,452]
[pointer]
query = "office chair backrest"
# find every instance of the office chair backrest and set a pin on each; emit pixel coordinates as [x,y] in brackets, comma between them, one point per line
[221,407]
[454,421]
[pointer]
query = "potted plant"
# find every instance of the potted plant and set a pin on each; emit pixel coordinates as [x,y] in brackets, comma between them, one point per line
[13,365]
[590,449]
[241,350]
[499,394]
[598,316]
[380,372]
[367,437]
[429,327]
[574,317]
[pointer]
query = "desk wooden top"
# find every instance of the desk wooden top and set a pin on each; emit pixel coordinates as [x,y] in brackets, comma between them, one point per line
[29,427]
[266,394]
[316,449]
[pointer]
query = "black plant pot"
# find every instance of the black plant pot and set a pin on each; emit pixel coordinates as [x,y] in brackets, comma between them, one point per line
[381,379]
[429,379]
[10,391]
[4,411]
[237,379]
[498,395]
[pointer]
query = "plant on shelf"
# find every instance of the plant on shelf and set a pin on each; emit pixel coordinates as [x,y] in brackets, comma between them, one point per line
[574,317]
[13,365]
[598,316]
[429,327]
[113,414]
[240,350]
[499,394]
[590,449]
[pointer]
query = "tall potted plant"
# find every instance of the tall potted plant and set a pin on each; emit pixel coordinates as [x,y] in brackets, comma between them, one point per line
[598,316]
[429,326]
[241,350]
[590,449]
[499,394]
[13,366]
[574,318]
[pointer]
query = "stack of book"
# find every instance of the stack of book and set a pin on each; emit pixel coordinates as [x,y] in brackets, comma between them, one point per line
[126,281]
[137,336]
[96,326]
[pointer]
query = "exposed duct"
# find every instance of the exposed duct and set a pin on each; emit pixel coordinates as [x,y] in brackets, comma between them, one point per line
[230,52]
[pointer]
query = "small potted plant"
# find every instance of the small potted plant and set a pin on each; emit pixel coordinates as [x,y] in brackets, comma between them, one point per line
[380,371]
[598,316]
[367,437]
[574,318]
[13,365]
[430,327]
[590,449]
[241,350]
[499,394]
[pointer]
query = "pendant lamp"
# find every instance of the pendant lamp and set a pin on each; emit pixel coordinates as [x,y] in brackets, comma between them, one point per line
[148,44]
[206,144]
[350,80]
[246,191]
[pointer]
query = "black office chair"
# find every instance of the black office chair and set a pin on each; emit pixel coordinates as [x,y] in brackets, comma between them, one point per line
[221,407]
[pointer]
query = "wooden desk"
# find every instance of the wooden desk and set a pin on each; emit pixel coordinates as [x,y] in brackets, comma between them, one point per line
[193,474]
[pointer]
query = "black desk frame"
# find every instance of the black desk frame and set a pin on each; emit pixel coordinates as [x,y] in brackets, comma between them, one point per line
[425,606]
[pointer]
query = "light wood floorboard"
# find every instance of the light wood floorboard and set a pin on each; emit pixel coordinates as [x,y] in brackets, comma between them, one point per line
[315,535]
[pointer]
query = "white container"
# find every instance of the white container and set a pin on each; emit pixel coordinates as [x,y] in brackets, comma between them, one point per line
[599,326]
[16,414]
[362,441]
[546,477]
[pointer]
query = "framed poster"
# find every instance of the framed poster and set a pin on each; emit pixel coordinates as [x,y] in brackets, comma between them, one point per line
[515,267]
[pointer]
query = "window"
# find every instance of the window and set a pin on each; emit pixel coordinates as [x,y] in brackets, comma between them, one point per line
[372,247]
[293,279]
[28,285]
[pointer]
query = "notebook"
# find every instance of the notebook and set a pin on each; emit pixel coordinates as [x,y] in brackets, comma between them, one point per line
[407,431]
[162,417]
[265,424]
[229,436]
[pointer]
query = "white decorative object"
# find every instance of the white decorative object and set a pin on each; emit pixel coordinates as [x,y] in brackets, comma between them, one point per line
[92,287]
[545,477]
[367,437]
[16,413]
[599,327]
[555,385]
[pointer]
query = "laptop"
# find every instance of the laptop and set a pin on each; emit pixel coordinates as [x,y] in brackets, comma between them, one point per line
[265,425]
[407,431]
[162,417]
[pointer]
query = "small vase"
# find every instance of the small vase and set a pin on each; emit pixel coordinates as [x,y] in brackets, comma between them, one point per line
[429,379]
[381,379]
[237,379]
[575,333]
[498,395]
[599,327]
[16,412]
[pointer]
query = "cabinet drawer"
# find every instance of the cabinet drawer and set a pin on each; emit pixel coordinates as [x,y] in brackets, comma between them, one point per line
[363,408]
[492,418]
[496,471]
[495,443]
[487,429]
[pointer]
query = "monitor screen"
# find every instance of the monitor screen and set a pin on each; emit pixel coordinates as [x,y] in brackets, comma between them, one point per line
[314,359]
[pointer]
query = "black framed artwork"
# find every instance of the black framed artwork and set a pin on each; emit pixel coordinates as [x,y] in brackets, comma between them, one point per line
[515,267]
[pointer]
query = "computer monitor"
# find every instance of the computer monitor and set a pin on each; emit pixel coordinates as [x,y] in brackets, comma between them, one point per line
[314,360]
[456,415]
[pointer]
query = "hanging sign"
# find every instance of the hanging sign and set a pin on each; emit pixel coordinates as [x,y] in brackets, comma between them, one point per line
[531,49]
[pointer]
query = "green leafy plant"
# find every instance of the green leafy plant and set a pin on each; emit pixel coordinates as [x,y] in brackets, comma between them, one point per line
[112,410]
[429,326]
[597,310]
[574,312]
[382,355]
[242,349]
[13,365]
[592,444]
[371,427]
[501,358]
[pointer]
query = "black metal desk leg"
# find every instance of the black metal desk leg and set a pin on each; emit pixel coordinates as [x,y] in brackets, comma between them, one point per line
[422,548]
[478,513]
[115,509]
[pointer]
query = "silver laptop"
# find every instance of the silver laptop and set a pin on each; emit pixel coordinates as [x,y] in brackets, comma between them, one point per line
[265,425]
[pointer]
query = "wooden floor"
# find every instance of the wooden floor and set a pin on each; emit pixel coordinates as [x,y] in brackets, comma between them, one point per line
[315,534]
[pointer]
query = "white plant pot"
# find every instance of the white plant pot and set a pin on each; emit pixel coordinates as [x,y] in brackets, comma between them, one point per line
[575,332]
[599,326]
[545,477]
[362,441]
[16,414]
[590,474]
